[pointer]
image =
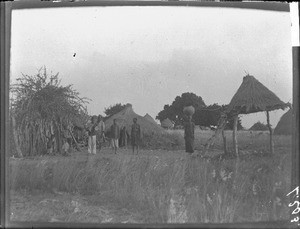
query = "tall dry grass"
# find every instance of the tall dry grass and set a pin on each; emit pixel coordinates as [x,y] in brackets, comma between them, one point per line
[174,188]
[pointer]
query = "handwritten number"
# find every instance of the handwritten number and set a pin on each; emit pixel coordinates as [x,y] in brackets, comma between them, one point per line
[295,220]
[296,211]
[297,191]
[295,202]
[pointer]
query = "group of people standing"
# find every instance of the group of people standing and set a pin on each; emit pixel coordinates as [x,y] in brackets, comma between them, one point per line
[118,136]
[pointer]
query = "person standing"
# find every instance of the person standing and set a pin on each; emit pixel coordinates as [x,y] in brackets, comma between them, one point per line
[135,135]
[124,136]
[67,135]
[101,129]
[92,132]
[189,134]
[115,135]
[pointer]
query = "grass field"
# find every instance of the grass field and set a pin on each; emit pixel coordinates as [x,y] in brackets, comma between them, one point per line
[156,186]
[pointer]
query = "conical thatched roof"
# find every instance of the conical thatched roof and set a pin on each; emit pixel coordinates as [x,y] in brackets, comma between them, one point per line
[125,118]
[284,126]
[252,96]
[149,118]
[259,126]
[167,123]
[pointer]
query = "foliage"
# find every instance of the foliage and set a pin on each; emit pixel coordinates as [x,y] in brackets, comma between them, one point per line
[175,111]
[204,115]
[114,109]
[42,108]
[208,116]
[229,125]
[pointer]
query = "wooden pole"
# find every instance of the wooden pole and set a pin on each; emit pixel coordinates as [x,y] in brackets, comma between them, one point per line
[77,146]
[224,142]
[271,133]
[234,135]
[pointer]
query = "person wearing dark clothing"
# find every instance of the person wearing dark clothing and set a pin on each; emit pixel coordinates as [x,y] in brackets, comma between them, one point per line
[123,137]
[100,134]
[189,131]
[135,135]
[115,135]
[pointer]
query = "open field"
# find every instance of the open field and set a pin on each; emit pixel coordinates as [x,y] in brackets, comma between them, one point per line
[156,186]
[249,141]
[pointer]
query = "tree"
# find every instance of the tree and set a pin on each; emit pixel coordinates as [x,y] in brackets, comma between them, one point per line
[42,107]
[175,111]
[114,109]
[208,116]
[229,125]
[204,115]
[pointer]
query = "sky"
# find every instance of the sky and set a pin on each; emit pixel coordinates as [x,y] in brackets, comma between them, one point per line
[147,56]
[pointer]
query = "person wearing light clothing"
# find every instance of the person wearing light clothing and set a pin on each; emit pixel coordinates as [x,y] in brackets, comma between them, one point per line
[101,129]
[92,129]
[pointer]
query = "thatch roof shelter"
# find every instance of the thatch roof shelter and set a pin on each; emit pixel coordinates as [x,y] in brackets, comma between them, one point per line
[252,96]
[284,126]
[125,118]
[167,123]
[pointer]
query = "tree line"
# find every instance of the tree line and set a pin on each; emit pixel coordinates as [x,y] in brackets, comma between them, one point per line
[205,115]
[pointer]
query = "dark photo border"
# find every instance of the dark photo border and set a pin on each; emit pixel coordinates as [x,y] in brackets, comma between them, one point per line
[6,9]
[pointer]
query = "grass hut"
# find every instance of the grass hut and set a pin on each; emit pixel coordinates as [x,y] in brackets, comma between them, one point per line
[150,119]
[284,126]
[259,126]
[167,123]
[125,118]
[251,97]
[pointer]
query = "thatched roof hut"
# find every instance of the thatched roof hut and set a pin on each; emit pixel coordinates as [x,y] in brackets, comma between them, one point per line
[167,123]
[125,118]
[252,96]
[284,126]
[149,118]
[258,126]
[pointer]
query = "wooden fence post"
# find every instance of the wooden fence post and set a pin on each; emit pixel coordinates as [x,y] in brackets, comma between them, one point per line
[235,144]
[224,142]
[271,133]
